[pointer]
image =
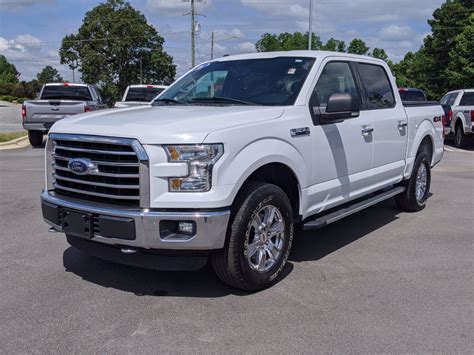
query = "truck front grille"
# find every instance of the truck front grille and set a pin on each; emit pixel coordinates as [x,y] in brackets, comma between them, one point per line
[119,166]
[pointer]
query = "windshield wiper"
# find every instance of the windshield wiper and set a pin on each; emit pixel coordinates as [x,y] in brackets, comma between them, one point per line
[164,100]
[221,99]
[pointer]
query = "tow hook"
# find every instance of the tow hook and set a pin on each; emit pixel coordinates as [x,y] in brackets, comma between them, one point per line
[128,251]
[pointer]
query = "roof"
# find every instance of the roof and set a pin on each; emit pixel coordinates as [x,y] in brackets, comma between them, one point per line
[148,85]
[65,84]
[300,53]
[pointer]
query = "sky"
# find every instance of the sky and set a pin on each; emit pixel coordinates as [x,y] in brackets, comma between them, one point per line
[31,30]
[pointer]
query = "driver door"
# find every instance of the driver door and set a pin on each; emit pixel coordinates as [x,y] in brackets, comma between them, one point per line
[342,151]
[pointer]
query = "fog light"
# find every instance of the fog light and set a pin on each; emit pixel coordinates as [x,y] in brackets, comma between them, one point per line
[187,228]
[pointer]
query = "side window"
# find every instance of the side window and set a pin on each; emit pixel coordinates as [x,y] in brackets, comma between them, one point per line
[377,86]
[467,99]
[444,100]
[336,78]
[452,99]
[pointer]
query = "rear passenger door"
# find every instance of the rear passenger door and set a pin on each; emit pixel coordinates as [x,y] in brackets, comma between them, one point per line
[390,133]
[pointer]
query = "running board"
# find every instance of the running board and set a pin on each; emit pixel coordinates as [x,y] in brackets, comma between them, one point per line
[347,211]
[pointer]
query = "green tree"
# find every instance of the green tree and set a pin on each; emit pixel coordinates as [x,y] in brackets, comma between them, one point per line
[8,73]
[334,45]
[49,75]
[460,69]
[116,47]
[380,54]
[447,26]
[358,46]
[286,42]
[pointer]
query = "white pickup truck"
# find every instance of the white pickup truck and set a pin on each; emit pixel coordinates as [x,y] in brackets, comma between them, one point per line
[235,154]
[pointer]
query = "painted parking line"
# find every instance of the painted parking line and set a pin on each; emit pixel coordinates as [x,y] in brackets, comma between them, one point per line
[449,149]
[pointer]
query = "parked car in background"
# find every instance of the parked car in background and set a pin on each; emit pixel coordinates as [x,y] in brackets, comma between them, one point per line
[411,94]
[57,101]
[233,155]
[459,106]
[136,95]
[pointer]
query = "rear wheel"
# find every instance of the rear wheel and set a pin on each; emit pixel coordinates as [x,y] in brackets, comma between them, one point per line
[460,139]
[259,238]
[414,198]
[35,138]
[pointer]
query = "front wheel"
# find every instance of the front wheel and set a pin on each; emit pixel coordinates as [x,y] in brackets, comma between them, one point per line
[259,238]
[414,198]
[35,138]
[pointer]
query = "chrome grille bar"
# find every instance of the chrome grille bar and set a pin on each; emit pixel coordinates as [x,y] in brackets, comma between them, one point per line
[121,175]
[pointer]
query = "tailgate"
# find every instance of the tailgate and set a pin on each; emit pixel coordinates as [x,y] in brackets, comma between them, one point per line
[52,110]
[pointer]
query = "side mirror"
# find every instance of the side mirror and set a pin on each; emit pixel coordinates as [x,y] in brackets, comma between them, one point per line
[339,108]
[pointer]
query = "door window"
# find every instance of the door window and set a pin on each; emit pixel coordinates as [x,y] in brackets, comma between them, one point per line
[467,99]
[377,86]
[336,78]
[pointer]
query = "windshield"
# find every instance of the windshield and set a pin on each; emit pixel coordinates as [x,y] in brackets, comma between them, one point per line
[412,95]
[66,92]
[143,94]
[269,81]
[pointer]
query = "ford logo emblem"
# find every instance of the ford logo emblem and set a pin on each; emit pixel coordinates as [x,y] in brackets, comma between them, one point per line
[81,166]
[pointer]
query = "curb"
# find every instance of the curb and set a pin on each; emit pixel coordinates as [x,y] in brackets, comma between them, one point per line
[15,143]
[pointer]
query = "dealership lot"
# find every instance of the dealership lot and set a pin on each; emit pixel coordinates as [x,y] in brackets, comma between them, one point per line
[378,281]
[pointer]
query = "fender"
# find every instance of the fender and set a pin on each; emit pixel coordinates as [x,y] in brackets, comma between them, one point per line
[425,129]
[460,117]
[237,167]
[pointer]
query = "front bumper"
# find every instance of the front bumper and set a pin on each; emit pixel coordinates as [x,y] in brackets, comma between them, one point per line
[210,226]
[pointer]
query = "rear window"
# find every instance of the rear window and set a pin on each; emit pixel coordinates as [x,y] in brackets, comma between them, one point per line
[412,95]
[63,92]
[142,94]
[377,86]
[467,99]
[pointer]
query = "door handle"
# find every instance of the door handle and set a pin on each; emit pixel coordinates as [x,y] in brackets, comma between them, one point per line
[366,130]
[402,124]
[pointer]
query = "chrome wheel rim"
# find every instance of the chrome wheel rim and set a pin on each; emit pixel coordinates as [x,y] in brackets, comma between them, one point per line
[265,238]
[421,182]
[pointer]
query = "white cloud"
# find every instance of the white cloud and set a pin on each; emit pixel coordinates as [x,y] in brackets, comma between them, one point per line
[29,55]
[173,7]
[397,33]
[246,47]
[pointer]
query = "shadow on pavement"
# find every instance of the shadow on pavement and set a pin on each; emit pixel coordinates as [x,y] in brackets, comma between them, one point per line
[308,246]
[316,244]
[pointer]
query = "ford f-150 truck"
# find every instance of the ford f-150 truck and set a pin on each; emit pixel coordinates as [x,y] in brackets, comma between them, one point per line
[57,101]
[460,107]
[232,156]
[136,95]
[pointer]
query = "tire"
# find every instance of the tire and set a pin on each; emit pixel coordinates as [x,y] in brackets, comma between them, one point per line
[35,138]
[460,139]
[408,200]
[237,264]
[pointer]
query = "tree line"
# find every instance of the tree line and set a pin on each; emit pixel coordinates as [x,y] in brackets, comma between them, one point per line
[115,46]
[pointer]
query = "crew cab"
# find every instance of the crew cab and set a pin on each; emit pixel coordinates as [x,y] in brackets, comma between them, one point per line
[57,101]
[235,154]
[459,105]
[136,95]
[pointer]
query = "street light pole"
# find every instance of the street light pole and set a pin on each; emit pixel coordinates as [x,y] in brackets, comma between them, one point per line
[310,31]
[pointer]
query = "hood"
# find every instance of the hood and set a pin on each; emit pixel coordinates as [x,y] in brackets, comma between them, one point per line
[164,124]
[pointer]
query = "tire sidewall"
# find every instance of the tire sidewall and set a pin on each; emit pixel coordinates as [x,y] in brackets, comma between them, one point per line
[421,159]
[268,195]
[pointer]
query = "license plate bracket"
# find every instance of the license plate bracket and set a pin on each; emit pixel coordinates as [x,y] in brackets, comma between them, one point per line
[77,224]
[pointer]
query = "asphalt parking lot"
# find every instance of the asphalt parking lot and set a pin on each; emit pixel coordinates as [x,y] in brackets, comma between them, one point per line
[379,281]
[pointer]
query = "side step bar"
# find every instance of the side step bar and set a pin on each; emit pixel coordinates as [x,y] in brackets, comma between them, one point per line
[347,211]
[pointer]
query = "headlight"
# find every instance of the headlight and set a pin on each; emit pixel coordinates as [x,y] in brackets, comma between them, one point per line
[200,159]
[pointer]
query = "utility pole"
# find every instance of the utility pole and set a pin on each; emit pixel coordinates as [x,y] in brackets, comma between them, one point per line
[212,45]
[193,34]
[193,28]
[310,32]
